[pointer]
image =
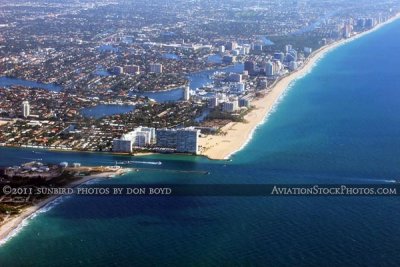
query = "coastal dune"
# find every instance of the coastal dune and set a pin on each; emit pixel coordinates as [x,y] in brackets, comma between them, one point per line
[235,135]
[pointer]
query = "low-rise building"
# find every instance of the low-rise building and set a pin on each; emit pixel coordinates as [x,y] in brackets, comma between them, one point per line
[156,68]
[244,102]
[235,77]
[117,70]
[132,69]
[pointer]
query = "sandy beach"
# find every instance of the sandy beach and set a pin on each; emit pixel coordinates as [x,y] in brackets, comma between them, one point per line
[3,122]
[218,147]
[11,225]
[237,134]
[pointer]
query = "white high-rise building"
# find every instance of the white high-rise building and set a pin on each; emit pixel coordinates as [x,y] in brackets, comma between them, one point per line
[307,50]
[230,106]
[245,50]
[270,70]
[347,31]
[140,137]
[240,87]
[186,93]
[263,84]
[188,141]
[184,140]
[26,109]
[293,65]
[213,102]
[288,48]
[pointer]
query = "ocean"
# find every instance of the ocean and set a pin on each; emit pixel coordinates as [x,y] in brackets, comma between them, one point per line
[338,124]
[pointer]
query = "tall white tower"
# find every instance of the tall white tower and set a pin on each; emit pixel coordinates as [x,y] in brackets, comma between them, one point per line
[270,69]
[186,93]
[26,109]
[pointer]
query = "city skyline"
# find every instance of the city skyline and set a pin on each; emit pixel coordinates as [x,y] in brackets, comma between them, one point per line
[199,133]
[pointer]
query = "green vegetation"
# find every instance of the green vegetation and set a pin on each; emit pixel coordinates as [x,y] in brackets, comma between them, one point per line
[6,209]
[235,117]
[298,42]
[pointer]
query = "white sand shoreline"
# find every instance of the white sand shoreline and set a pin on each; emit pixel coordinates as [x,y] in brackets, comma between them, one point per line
[14,224]
[238,135]
[232,143]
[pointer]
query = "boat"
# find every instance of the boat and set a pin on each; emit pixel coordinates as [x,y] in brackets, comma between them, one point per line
[201,92]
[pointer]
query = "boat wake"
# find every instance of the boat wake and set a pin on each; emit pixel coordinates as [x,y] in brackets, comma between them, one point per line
[390,181]
[138,162]
[381,181]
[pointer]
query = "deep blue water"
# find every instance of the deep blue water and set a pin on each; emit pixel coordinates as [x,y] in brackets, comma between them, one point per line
[103,110]
[214,59]
[101,71]
[199,79]
[196,80]
[171,56]
[339,124]
[165,96]
[7,82]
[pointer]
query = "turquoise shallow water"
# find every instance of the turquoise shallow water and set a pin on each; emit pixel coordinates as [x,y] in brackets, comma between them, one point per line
[339,124]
